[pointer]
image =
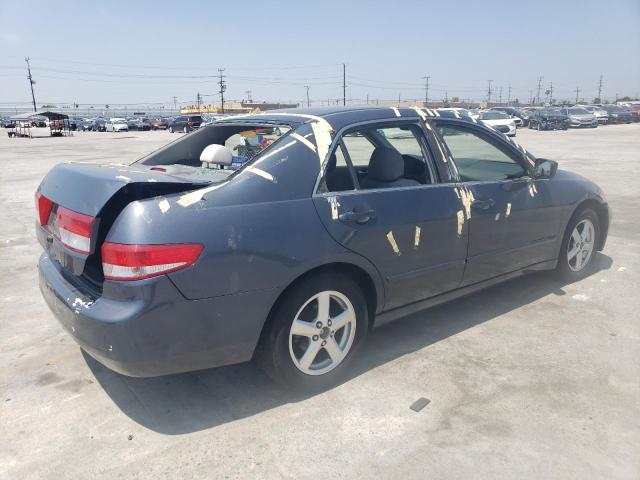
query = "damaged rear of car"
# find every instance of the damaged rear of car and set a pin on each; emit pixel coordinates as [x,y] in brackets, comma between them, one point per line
[144,264]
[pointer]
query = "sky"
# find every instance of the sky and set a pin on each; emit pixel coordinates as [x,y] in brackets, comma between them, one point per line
[150,51]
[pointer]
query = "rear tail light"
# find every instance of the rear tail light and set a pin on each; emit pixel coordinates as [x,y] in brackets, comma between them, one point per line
[74,229]
[43,207]
[135,262]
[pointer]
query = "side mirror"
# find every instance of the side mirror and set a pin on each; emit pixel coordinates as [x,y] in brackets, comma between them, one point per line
[544,168]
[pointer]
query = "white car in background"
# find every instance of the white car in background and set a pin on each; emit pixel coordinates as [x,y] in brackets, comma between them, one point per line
[116,125]
[601,115]
[498,121]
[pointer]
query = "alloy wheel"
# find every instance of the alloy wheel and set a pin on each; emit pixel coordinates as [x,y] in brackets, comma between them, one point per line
[580,246]
[322,333]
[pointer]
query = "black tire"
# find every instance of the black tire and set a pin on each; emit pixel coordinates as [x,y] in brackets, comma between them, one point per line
[539,126]
[272,354]
[563,268]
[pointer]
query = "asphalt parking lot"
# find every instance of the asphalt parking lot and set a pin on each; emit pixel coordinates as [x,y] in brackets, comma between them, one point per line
[530,379]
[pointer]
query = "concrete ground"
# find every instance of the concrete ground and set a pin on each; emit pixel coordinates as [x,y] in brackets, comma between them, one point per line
[530,379]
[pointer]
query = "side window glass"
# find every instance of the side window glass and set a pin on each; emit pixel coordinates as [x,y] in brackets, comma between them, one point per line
[476,158]
[337,175]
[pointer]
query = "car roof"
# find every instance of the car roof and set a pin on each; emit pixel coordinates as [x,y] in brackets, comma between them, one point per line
[337,117]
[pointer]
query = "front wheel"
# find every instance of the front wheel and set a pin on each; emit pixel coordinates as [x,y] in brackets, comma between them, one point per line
[313,334]
[579,245]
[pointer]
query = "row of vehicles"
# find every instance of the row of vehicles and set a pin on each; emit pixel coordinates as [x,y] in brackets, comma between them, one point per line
[508,119]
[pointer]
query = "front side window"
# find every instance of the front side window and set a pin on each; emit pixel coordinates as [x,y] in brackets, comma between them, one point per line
[380,156]
[476,158]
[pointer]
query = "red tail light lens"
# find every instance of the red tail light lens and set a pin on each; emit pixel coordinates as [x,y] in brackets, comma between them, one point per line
[135,262]
[74,229]
[43,206]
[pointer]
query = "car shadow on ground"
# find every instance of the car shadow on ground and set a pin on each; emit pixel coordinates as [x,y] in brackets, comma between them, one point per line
[189,402]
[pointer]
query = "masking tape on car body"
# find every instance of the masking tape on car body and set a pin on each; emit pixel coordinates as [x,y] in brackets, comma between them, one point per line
[393,243]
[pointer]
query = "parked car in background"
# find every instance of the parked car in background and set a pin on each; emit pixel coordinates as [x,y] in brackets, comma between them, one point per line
[116,125]
[455,112]
[99,125]
[617,114]
[7,123]
[185,123]
[39,122]
[138,124]
[548,118]
[521,118]
[499,121]
[580,117]
[178,263]
[601,115]
[634,110]
[158,124]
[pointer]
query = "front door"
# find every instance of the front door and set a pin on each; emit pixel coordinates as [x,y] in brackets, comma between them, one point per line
[510,228]
[410,228]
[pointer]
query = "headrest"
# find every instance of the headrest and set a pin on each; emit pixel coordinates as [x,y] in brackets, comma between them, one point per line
[386,165]
[217,154]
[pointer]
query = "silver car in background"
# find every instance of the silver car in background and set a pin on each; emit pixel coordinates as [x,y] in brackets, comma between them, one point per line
[580,117]
[601,115]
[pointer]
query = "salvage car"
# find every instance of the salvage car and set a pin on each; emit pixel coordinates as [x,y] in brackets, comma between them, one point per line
[580,117]
[521,118]
[499,121]
[350,219]
[185,123]
[549,119]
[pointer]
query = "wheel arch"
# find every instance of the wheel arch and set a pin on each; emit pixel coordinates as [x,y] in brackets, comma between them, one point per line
[361,277]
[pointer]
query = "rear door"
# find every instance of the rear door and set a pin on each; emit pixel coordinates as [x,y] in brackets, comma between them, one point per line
[512,221]
[413,234]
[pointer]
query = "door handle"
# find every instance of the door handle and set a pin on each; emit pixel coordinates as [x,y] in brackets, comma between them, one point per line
[483,204]
[358,217]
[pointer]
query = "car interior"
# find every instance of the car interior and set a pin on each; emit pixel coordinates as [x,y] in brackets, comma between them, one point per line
[381,158]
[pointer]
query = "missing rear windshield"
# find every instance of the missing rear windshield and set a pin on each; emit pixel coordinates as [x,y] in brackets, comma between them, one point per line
[241,143]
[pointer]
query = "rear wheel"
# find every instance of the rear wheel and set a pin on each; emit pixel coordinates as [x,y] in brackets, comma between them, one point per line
[579,245]
[314,332]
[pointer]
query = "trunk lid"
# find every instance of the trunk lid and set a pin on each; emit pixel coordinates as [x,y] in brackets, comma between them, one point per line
[77,192]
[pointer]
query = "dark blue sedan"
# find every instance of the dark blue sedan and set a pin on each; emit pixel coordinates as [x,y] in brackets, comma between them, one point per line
[286,236]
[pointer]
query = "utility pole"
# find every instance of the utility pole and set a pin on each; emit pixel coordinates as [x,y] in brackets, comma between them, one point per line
[175,102]
[426,90]
[577,93]
[367,99]
[398,99]
[489,93]
[500,95]
[344,85]
[539,87]
[446,98]
[31,83]
[600,89]
[308,102]
[198,99]
[509,96]
[248,92]
[530,97]
[550,93]
[223,88]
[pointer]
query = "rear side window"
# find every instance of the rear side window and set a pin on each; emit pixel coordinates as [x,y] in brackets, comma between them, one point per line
[349,166]
[478,159]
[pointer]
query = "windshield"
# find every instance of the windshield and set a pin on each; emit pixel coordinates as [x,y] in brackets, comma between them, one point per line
[495,115]
[578,111]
